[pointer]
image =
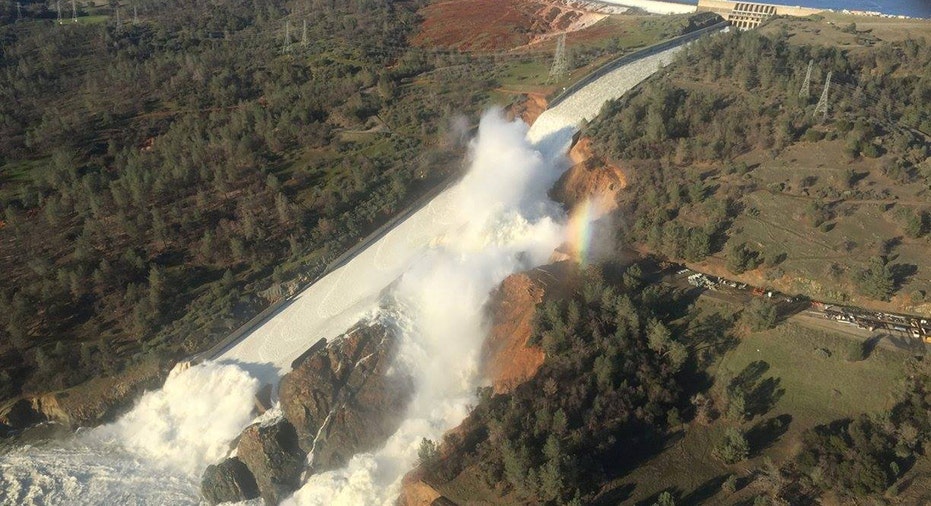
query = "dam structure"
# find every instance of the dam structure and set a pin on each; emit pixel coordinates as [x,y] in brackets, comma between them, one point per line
[749,15]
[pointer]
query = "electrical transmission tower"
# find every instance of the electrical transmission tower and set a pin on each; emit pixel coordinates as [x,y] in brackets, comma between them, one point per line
[304,34]
[806,86]
[560,63]
[135,15]
[822,106]
[58,8]
[19,11]
[74,11]
[118,24]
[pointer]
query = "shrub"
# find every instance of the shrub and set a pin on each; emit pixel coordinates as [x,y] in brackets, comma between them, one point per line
[733,448]
[761,315]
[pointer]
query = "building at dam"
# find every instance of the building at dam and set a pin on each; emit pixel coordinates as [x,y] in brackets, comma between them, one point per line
[747,15]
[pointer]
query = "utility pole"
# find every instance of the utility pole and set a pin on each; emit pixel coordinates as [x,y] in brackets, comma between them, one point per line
[822,106]
[117,18]
[74,11]
[58,8]
[287,36]
[19,11]
[304,34]
[560,63]
[135,15]
[806,86]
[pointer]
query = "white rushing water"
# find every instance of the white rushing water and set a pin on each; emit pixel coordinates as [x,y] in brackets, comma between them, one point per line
[445,258]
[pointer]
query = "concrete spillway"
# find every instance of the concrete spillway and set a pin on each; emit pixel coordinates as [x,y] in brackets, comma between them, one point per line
[331,305]
[439,265]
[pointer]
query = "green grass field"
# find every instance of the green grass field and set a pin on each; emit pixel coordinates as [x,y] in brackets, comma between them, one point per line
[810,389]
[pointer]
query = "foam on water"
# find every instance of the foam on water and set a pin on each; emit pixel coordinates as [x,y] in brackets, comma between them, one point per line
[504,223]
[152,455]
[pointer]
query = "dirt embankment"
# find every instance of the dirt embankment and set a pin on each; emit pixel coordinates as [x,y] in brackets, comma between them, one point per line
[528,107]
[509,360]
[590,178]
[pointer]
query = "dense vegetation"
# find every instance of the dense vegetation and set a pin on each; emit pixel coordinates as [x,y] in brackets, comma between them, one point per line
[618,375]
[155,176]
[683,134]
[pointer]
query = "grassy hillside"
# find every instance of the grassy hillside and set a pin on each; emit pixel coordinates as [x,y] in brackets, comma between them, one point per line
[732,169]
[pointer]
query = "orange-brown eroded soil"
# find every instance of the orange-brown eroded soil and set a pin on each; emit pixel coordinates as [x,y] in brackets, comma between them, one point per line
[494,25]
[529,108]
[509,361]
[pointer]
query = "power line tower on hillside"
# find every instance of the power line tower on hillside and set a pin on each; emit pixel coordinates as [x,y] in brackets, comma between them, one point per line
[118,23]
[806,86]
[74,11]
[19,11]
[304,34]
[822,106]
[135,15]
[560,62]
[58,8]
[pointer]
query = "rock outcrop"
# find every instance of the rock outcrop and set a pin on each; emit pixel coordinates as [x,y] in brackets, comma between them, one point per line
[274,458]
[590,178]
[97,401]
[342,399]
[229,481]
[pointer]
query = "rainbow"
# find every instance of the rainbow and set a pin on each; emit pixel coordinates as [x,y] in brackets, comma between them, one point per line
[579,230]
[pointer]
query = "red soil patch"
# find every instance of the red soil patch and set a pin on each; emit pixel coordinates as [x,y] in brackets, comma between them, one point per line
[508,359]
[528,108]
[492,25]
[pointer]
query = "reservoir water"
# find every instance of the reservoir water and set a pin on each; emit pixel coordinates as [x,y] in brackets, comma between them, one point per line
[911,8]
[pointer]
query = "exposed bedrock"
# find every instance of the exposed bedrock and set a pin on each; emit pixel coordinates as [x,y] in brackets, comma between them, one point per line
[340,400]
[229,481]
[344,399]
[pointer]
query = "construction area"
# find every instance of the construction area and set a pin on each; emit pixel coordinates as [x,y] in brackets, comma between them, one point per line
[914,327]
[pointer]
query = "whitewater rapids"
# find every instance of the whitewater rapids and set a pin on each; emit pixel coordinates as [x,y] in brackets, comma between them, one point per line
[440,264]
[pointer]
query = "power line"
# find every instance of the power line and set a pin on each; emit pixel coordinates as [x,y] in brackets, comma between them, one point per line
[822,106]
[806,86]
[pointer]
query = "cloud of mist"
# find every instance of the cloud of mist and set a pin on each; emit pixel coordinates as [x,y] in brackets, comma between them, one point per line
[502,222]
[188,423]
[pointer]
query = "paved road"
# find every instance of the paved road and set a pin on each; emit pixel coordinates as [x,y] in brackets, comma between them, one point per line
[816,320]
